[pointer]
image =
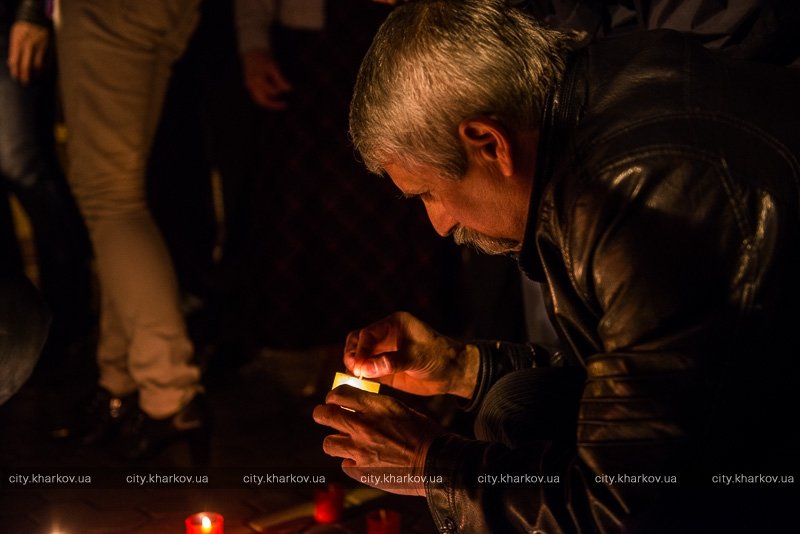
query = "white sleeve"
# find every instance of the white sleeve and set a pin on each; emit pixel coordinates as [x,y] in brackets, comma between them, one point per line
[303,14]
[254,19]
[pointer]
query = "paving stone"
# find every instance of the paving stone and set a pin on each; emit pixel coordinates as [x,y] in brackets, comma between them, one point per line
[21,502]
[268,501]
[160,526]
[165,503]
[238,529]
[58,495]
[115,499]
[84,519]
[18,524]
[163,525]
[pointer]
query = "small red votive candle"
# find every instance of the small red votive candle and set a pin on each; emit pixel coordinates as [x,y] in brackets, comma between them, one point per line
[383,522]
[328,503]
[205,523]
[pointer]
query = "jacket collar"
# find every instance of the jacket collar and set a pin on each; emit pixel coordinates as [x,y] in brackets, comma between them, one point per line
[560,115]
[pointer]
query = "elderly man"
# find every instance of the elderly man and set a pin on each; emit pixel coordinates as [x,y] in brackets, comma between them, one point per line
[653,187]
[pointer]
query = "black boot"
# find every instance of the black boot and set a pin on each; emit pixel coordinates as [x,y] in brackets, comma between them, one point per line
[142,437]
[104,416]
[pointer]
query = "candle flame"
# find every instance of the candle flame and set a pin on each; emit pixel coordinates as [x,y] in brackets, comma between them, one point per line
[205,523]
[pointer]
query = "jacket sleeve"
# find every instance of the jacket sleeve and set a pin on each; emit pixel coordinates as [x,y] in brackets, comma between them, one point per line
[254,19]
[32,11]
[497,359]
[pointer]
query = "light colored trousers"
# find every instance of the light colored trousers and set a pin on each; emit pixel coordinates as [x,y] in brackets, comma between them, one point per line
[115,58]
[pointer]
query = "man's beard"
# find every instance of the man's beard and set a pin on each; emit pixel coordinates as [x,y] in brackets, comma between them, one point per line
[484,243]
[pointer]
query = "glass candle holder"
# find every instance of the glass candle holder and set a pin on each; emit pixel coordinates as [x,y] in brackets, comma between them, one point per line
[328,503]
[383,522]
[205,523]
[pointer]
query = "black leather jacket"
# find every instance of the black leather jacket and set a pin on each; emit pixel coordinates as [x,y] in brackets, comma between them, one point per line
[664,221]
[23,10]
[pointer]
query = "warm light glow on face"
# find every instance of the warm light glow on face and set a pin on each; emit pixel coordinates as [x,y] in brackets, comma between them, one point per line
[345,379]
[205,524]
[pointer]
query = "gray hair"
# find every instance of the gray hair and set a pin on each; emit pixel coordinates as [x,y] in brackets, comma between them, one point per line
[434,63]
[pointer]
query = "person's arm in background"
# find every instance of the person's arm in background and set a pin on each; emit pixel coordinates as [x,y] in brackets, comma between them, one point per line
[28,41]
[24,317]
[262,75]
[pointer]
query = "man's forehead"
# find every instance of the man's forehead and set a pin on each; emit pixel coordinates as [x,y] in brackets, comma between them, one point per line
[401,174]
[410,183]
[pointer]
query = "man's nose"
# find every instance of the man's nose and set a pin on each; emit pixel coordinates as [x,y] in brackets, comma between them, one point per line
[441,220]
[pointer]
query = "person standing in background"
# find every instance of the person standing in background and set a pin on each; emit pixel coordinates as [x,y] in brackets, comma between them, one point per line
[312,230]
[30,171]
[115,58]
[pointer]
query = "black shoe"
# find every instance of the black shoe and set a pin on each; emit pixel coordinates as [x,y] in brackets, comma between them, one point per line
[142,437]
[104,416]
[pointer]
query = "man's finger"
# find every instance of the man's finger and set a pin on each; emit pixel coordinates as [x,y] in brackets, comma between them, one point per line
[327,415]
[281,83]
[356,399]
[271,103]
[13,60]
[38,58]
[377,339]
[25,64]
[269,87]
[333,416]
[339,446]
[373,367]
[347,396]
[350,344]
[265,99]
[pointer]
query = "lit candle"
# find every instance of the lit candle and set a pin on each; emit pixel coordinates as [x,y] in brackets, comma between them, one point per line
[360,383]
[205,523]
[328,503]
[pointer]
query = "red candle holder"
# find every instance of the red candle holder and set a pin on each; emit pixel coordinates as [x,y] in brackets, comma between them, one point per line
[328,503]
[383,522]
[205,523]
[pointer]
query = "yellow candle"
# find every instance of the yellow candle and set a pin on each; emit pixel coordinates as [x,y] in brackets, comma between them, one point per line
[360,383]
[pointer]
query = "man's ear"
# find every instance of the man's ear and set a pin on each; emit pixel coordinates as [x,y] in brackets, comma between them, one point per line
[487,142]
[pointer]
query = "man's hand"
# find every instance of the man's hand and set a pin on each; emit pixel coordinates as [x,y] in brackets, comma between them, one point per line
[382,441]
[264,79]
[403,352]
[26,50]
